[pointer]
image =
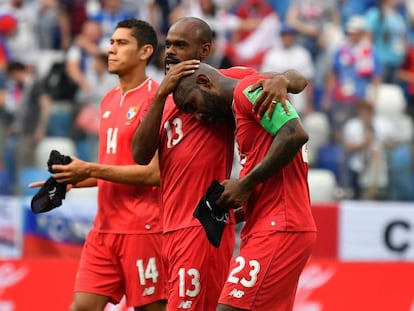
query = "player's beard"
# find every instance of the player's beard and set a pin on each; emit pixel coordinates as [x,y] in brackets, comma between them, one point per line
[218,112]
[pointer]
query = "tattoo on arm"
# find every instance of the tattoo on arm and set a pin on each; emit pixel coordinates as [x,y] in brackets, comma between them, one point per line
[286,144]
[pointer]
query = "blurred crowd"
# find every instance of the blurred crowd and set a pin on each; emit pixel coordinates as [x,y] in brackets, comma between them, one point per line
[358,56]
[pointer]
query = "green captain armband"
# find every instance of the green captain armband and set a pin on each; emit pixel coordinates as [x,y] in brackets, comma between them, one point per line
[279,117]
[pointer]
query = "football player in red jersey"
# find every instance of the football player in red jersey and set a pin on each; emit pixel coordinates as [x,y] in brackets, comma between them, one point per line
[279,233]
[122,252]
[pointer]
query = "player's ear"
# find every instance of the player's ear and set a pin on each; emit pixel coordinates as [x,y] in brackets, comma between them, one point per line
[205,50]
[146,51]
[203,80]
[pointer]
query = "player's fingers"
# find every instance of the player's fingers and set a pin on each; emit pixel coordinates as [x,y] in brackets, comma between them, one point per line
[271,109]
[58,167]
[36,184]
[284,105]
[267,103]
[259,103]
[222,201]
[186,72]
[219,201]
[183,71]
[255,86]
[60,176]
[189,67]
[184,66]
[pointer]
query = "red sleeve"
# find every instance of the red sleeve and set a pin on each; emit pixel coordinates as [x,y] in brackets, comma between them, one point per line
[238,72]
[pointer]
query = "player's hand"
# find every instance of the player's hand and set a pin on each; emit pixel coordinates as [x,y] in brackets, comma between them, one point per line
[233,195]
[40,183]
[274,91]
[175,73]
[239,215]
[72,173]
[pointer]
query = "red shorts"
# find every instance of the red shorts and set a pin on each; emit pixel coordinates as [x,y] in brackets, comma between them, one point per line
[265,274]
[114,265]
[196,269]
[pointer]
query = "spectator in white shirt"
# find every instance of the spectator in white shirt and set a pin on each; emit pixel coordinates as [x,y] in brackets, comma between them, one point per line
[291,55]
[366,138]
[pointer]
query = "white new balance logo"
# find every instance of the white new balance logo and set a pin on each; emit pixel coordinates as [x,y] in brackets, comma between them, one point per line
[149,291]
[185,304]
[236,293]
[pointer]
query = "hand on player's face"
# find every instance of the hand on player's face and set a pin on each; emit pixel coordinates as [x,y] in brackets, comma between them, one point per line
[175,73]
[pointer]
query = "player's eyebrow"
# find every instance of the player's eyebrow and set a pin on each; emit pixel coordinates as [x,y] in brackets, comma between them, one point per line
[177,42]
[120,40]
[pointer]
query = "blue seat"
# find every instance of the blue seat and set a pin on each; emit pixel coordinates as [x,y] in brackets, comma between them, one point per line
[401,185]
[332,157]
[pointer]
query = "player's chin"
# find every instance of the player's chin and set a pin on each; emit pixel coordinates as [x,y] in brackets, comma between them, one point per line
[113,70]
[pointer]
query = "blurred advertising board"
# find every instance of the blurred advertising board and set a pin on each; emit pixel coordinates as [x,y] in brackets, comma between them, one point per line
[59,232]
[11,227]
[376,231]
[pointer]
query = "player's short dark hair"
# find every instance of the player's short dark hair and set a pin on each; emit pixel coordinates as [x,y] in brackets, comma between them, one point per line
[142,31]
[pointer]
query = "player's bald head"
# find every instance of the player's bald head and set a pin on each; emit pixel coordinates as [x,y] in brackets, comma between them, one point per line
[197,26]
[192,81]
[206,94]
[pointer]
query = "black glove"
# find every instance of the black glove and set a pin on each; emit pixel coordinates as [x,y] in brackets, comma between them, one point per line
[51,194]
[212,217]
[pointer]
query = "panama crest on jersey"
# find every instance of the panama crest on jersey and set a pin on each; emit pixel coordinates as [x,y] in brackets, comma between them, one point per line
[131,114]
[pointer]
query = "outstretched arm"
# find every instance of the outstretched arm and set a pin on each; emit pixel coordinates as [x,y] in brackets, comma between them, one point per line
[146,138]
[83,174]
[286,144]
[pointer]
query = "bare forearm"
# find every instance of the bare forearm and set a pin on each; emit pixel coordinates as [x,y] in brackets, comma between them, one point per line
[125,174]
[296,81]
[146,138]
[284,148]
[90,182]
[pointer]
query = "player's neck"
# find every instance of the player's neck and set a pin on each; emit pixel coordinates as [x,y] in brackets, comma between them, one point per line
[132,80]
[228,85]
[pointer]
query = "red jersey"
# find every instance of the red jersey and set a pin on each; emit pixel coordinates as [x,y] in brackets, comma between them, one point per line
[281,203]
[125,208]
[191,155]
